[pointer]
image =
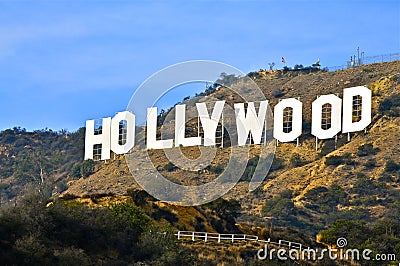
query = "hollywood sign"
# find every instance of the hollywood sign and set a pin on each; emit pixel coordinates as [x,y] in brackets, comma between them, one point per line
[248,121]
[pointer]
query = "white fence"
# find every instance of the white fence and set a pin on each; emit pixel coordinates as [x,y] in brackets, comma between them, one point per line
[235,237]
[366,60]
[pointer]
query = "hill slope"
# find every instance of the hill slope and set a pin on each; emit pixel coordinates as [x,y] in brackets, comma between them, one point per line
[358,167]
[306,188]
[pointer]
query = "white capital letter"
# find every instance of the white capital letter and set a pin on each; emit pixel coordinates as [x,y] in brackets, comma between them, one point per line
[348,94]
[250,122]
[104,139]
[210,125]
[180,129]
[297,120]
[336,115]
[115,132]
[152,142]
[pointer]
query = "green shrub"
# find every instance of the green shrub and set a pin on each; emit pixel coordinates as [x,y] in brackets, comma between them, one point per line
[217,169]
[286,194]
[328,197]
[278,163]
[368,70]
[298,66]
[279,206]
[366,149]
[139,197]
[278,93]
[228,209]
[248,173]
[69,233]
[370,163]
[254,75]
[334,160]
[132,216]
[391,105]
[391,166]
[87,168]
[250,169]
[163,213]
[364,186]
[6,172]
[355,232]
[296,160]
[21,142]
[380,237]
[82,169]
[75,171]
[170,167]
[8,139]
[327,147]
[338,160]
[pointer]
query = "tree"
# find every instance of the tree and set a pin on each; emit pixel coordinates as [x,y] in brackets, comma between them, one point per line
[356,232]
[271,65]
[297,67]
[227,79]
[87,168]
[228,209]
[35,164]
[75,171]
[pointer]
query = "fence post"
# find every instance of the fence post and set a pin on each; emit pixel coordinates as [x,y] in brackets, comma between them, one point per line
[179,235]
[192,236]
[219,238]
[205,238]
[233,237]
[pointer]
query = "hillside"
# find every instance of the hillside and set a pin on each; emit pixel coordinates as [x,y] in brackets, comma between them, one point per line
[39,160]
[307,190]
[302,170]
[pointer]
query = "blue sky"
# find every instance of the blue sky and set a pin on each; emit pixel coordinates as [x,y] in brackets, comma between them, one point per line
[63,62]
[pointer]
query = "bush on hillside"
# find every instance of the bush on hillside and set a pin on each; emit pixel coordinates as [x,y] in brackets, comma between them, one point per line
[336,160]
[71,233]
[370,163]
[391,166]
[367,149]
[391,106]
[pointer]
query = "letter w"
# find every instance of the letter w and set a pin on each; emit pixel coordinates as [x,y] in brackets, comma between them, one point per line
[250,122]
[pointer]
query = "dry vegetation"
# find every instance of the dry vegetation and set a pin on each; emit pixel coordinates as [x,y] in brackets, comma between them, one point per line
[305,191]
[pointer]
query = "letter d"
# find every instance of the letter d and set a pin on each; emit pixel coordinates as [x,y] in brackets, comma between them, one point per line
[263,257]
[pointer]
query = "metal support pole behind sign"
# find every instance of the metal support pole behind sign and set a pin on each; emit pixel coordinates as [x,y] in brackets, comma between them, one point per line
[265,132]
[335,142]
[222,130]
[198,126]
